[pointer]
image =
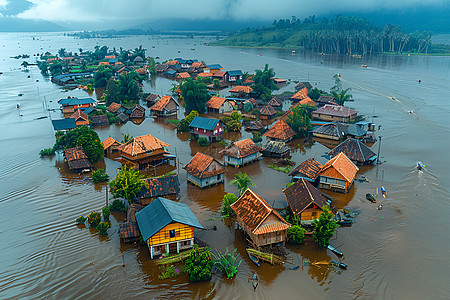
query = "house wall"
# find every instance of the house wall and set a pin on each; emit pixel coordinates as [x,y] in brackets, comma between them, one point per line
[182,232]
[143,155]
[263,239]
[226,107]
[204,182]
[334,184]
[325,117]
[230,160]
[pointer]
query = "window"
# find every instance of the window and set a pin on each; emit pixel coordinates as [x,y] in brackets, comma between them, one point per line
[149,152]
[172,233]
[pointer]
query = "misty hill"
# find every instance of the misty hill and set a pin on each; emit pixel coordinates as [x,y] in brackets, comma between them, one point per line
[13,24]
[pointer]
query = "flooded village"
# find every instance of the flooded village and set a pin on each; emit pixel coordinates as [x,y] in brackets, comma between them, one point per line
[199,177]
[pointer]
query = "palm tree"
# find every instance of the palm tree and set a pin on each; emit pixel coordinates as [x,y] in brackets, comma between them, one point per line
[242,181]
[342,96]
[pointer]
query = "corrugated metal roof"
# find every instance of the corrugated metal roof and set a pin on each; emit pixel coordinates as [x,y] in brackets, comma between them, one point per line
[204,123]
[161,213]
[76,101]
[355,130]
[235,73]
[214,66]
[64,124]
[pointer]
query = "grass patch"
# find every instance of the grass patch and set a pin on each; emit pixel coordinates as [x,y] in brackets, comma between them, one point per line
[284,170]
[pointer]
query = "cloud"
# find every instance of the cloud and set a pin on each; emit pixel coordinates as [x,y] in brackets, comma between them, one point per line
[137,10]
[3,3]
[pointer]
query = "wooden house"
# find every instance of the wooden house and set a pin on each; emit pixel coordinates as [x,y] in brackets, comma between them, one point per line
[280,131]
[267,112]
[259,220]
[323,100]
[183,75]
[204,170]
[331,131]
[136,112]
[275,149]
[64,125]
[214,68]
[220,75]
[307,101]
[167,187]
[77,160]
[219,105]
[335,113]
[358,153]
[116,108]
[305,201]
[165,107]
[241,91]
[275,103]
[233,76]
[212,129]
[80,118]
[123,117]
[167,226]
[129,230]
[301,85]
[299,95]
[152,99]
[256,126]
[144,151]
[70,105]
[99,120]
[110,145]
[338,174]
[241,153]
[309,170]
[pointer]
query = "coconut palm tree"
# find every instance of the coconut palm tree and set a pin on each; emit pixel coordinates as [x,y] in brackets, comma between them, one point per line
[242,181]
[342,96]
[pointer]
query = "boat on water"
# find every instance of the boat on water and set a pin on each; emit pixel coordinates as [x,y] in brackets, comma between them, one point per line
[364,66]
[339,264]
[371,198]
[343,221]
[383,191]
[255,281]
[420,166]
[335,250]
[254,259]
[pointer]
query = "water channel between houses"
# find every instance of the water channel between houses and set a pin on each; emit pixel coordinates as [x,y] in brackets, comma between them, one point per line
[399,252]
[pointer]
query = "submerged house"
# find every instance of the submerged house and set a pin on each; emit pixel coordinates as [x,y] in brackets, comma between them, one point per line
[219,105]
[144,151]
[299,95]
[99,120]
[167,187]
[64,125]
[110,145]
[77,160]
[276,149]
[116,108]
[212,129]
[152,99]
[267,112]
[338,174]
[241,153]
[129,230]
[335,113]
[280,131]
[167,226]
[323,100]
[259,220]
[241,91]
[165,107]
[256,126]
[302,85]
[136,112]
[356,151]
[309,170]
[80,118]
[204,170]
[69,105]
[214,68]
[305,201]
[332,131]
[234,75]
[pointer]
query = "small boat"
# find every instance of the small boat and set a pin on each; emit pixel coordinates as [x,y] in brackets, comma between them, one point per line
[339,264]
[335,250]
[420,166]
[255,281]
[364,66]
[383,191]
[294,268]
[345,222]
[371,198]
[254,259]
[18,105]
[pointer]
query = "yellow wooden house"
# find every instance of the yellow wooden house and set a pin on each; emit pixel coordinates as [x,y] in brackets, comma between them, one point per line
[167,226]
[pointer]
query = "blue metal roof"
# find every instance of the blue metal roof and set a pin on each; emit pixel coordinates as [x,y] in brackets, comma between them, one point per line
[214,66]
[76,101]
[88,110]
[236,99]
[64,124]
[235,73]
[204,123]
[170,72]
[163,212]
[60,76]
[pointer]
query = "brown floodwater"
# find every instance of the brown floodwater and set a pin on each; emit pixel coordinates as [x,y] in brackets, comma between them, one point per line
[401,251]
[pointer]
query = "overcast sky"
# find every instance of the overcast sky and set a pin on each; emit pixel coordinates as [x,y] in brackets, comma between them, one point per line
[107,11]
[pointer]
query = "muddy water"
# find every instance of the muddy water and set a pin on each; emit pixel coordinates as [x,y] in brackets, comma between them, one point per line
[399,252]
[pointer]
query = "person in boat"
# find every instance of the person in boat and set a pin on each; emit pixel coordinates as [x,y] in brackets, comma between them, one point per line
[419,166]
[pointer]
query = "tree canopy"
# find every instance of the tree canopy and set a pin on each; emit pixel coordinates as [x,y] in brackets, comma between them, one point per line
[195,95]
[242,181]
[127,184]
[300,119]
[85,137]
[101,77]
[324,227]
[265,77]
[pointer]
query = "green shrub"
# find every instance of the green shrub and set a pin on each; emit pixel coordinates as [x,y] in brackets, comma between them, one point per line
[257,137]
[324,227]
[203,141]
[198,265]
[81,220]
[296,234]
[47,152]
[102,228]
[94,219]
[99,176]
[106,213]
[169,272]
[228,199]
[118,205]
[227,263]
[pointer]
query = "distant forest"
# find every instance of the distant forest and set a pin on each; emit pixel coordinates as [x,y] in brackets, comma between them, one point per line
[343,35]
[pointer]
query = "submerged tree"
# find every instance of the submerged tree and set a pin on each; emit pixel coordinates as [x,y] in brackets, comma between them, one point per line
[85,137]
[342,96]
[242,181]
[127,184]
[324,227]
[300,119]
[195,95]
[198,265]
[265,77]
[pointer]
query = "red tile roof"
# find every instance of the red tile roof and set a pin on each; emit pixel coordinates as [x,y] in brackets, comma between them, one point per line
[113,107]
[254,210]
[183,75]
[301,195]
[310,168]
[303,93]
[215,102]
[109,142]
[342,165]
[307,101]
[241,88]
[74,153]
[200,163]
[142,144]
[268,111]
[172,62]
[280,130]
[197,64]
[110,56]
[205,74]
[80,117]
[220,74]
[241,148]
[159,106]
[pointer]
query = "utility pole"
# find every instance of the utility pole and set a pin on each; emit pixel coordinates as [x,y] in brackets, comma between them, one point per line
[379,147]
[106,189]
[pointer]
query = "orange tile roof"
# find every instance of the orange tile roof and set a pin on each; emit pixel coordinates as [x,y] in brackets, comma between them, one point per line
[241,148]
[303,93]
[159,106]
[74,153]
[241,88]
[197,64]
[280,130]
[78,114]
[199,163]
[172,62]
[183,75]
[113,107]
[219,74]
[141,71]
[103,63]
[307,101]
[215,102]
[142,144]
[110,56]
[109,142]
[268,111]
[309,168]
[205,74]
[342,165]
[254,210]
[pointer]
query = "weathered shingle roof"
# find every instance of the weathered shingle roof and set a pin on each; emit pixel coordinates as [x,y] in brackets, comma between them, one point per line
[113,107]
[302,85]
[204,123]
[160,186]
[123,117]
[64,124]
[355,130]
[341,164]
[241,88]
[275,102]
[74,153]
[268,111]
[100,120]
[159,106]
[256,125]
[355,150]
[80,164]
[332,129]
[152,97]
[161,213]
[309,168]
[199,163]
[275,147]
[241,148]
[254,210]
[301,94]
[280,130]
[142,144]
[335,110]
[302,194]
